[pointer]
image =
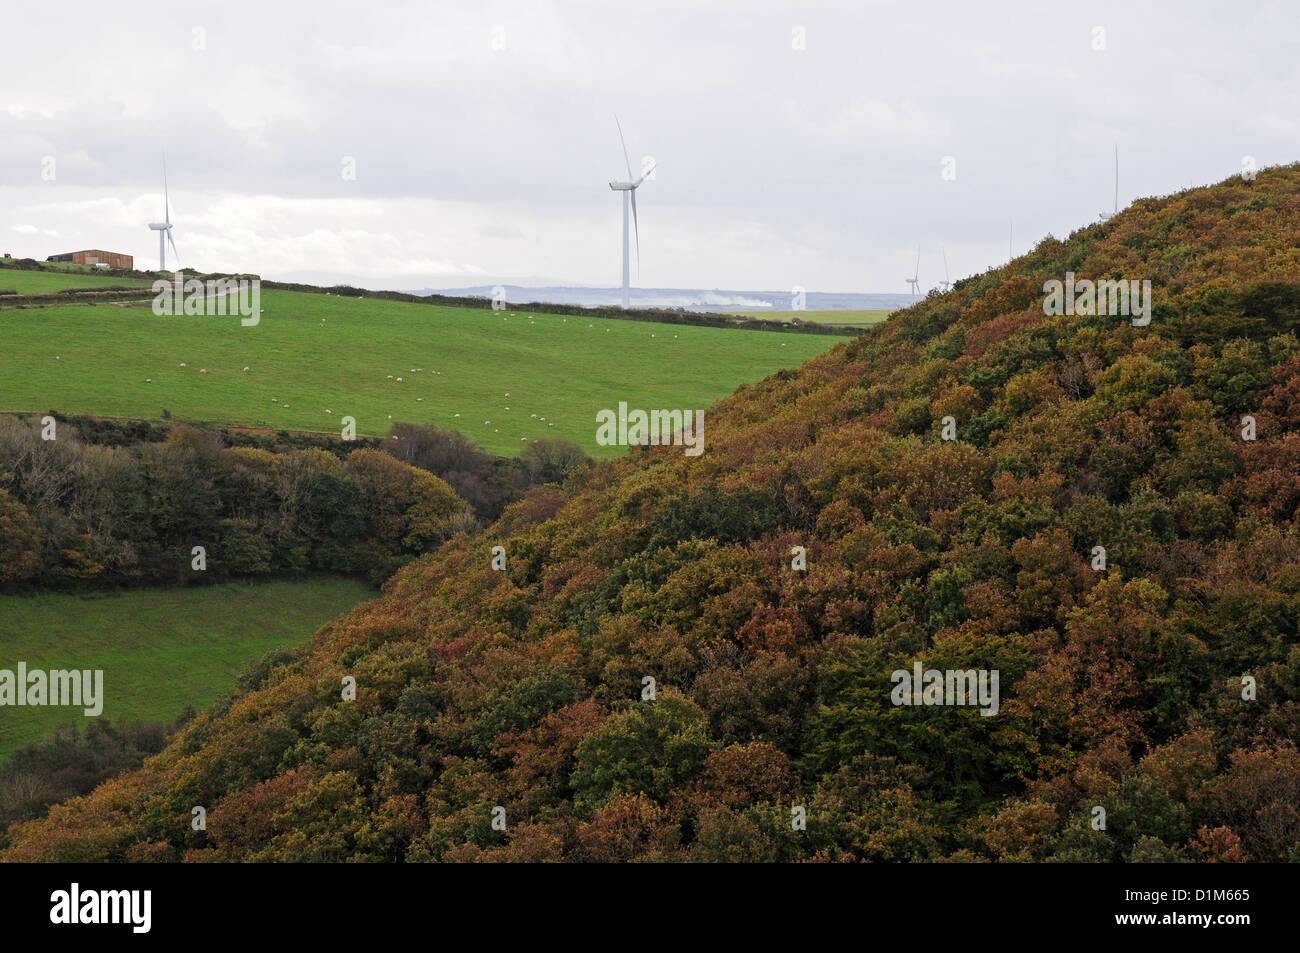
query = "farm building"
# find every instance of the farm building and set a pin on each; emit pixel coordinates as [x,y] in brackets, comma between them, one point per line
[95,256]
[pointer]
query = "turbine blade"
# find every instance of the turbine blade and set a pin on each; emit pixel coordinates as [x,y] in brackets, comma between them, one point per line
[171,241]
[637,230]
[624,144]
[653,166]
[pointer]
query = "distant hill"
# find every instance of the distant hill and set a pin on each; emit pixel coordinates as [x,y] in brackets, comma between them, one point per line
[1149,706]
[688,299]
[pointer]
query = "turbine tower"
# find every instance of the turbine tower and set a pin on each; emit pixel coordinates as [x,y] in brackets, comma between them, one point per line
[628,189]
[915,280]
[164,228]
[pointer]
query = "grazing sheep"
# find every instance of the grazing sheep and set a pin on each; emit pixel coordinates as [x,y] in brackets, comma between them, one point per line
[419,400]
[245,368]
[455,415]
[329,411]
[399,380]
[390,377]
[203,370]
[550,425]
[532,415]
[182,363]
[148,380]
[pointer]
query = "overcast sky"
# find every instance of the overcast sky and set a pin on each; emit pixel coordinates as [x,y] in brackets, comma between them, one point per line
[482,133]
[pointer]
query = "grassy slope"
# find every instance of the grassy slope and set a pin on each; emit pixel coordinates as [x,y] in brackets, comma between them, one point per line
[557,368]
[41,282]
[160,649]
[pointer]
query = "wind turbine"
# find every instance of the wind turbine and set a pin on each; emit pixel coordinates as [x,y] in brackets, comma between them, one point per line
[1102,215]
[164,228]
[915,280]
[628,189]
[946,283]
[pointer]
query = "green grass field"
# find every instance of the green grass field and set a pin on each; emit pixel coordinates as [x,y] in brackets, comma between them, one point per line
[317,353]
[848,319]
[43,282]
[160,649]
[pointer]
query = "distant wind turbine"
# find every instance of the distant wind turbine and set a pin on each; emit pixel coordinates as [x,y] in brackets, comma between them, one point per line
[1102,215]
[946,283]
[628,189]
[1116,178]
[915,280]
[164,228]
